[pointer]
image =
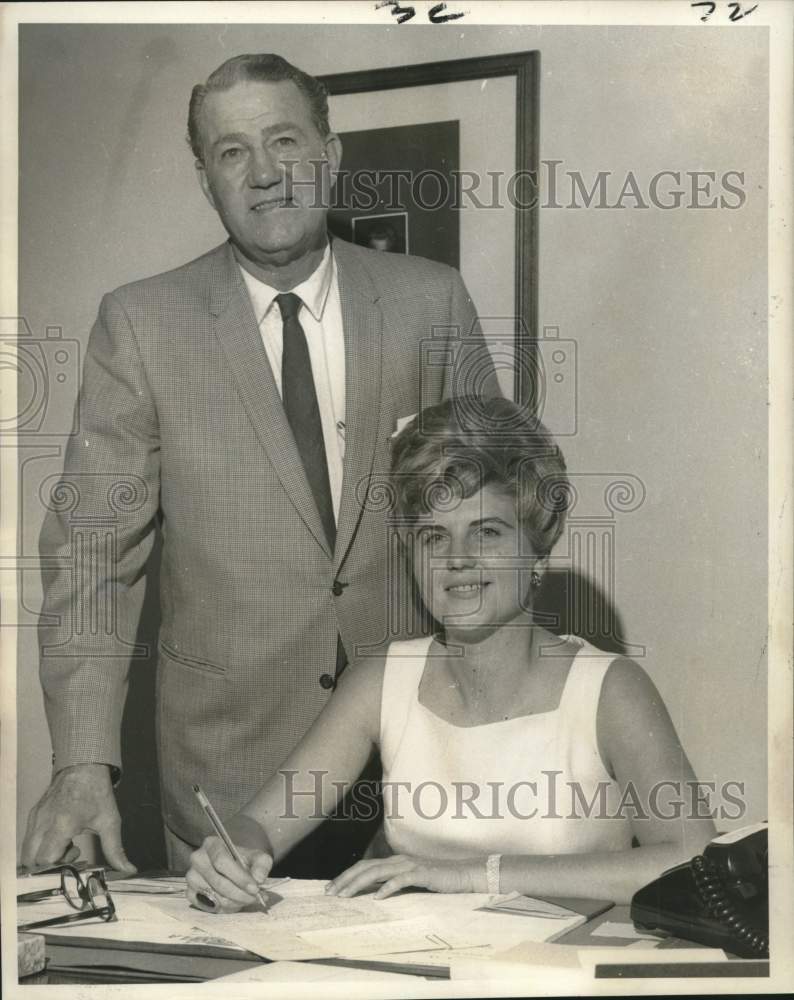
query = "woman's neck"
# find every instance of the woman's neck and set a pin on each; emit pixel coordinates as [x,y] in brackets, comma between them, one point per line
[473,659]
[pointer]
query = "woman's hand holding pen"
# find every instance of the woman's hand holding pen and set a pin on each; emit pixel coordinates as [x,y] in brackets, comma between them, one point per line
[216,882]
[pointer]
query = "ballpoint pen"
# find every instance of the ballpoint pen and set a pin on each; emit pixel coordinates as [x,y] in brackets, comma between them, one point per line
[220,829]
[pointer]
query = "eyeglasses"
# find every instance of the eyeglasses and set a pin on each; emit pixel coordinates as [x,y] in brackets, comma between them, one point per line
[86,892]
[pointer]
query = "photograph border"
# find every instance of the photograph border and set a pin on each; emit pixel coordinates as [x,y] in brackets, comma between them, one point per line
[778,21]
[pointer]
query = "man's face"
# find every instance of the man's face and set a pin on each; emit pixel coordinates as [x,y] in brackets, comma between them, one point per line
[267,170]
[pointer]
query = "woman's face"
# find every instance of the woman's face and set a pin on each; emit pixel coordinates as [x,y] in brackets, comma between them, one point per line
[473,562]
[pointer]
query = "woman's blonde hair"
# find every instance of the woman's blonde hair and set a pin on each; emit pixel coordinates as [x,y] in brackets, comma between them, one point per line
[453,450]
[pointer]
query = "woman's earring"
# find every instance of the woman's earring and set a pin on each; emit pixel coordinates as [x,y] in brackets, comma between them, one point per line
[535,579]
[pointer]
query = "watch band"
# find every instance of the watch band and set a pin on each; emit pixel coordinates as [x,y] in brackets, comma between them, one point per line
[492,873]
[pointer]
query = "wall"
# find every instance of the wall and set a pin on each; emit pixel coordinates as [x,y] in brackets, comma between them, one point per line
[667,309]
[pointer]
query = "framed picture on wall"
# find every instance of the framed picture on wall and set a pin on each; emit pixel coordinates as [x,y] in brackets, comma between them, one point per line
[382,232]
[441,160]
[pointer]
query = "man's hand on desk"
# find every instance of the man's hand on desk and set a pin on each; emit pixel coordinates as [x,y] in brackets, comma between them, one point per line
[402,871]
[217,883]
[79,800]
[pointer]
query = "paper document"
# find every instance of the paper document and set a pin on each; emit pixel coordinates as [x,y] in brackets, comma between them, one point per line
[295,887]
[439,958]
[305,923]
[489,918]
[642,952]
[622,929]
[148,886]
[389,938]
[528,906]
[538,953]
[137,920]
[38,883]
[275,934]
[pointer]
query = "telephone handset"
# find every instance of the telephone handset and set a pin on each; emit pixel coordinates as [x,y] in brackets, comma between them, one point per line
[720,898]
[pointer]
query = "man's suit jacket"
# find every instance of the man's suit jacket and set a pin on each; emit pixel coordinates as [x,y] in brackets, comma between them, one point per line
[180,419]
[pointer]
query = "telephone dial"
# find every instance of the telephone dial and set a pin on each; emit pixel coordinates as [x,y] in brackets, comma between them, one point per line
[720,898]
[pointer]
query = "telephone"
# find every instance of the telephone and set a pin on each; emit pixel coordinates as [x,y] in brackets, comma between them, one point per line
[720,898]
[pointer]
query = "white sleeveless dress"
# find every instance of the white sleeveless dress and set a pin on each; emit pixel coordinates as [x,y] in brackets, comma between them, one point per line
[529,785]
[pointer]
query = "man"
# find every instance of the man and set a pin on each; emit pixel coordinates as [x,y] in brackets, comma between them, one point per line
[245,400]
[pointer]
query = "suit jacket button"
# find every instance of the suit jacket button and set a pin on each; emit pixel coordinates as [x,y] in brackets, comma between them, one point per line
[337,589]
[327,682]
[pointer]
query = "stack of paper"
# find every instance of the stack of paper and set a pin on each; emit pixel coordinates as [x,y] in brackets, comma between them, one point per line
[136,921]
[304,923]
[142,942]
[149,886]
[413,930]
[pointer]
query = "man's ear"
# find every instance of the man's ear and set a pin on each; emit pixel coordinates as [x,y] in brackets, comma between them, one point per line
[204,182]
[333,153]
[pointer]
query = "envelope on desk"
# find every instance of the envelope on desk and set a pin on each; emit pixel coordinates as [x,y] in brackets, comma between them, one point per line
[557,909]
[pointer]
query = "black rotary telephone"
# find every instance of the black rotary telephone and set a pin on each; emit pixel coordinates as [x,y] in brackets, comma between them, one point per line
[720,898]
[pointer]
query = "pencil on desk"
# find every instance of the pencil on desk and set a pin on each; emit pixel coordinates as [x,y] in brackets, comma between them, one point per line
[220,829]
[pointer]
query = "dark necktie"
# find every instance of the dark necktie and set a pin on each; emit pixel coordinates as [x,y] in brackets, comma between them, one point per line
[303,412]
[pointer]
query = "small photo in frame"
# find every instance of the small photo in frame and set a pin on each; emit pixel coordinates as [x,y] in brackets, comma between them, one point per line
[387,232]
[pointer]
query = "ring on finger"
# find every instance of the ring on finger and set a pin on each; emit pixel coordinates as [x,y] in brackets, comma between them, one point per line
[207,899]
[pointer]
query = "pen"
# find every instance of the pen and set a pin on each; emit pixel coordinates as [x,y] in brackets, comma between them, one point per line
[220,829]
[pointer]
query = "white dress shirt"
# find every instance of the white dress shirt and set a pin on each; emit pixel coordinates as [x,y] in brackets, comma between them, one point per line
[320,316]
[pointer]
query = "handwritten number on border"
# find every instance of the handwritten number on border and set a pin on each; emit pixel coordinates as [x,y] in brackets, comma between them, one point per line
[736,11]
[402,14]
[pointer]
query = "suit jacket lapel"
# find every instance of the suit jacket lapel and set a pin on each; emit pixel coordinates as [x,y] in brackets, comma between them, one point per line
[239,337]
[363,321]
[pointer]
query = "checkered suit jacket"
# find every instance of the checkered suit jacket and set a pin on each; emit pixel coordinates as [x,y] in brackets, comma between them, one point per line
[180,419]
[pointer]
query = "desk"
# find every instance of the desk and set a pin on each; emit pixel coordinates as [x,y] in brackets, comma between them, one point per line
[652,968]
[656,968]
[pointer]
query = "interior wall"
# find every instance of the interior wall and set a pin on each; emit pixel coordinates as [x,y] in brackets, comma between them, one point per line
[667,311]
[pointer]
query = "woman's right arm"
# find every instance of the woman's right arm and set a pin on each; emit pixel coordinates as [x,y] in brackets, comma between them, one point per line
[305,789]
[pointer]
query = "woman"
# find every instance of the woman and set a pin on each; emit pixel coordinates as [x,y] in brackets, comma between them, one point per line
[513,759]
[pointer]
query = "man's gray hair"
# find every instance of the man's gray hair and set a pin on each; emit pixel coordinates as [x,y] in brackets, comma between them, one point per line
[263,67]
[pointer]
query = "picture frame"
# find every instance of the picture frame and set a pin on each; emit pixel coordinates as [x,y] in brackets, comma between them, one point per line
[494,103]
[388,232]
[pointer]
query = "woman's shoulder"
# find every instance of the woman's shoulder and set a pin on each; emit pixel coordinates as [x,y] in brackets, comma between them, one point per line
[628,708]
[359,690]
[630,701]
[365,672]
[625,681]
[618,683]
[621,674]
[411,647]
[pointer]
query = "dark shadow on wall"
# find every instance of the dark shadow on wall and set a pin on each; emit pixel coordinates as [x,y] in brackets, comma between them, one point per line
[138,794]
[572,604]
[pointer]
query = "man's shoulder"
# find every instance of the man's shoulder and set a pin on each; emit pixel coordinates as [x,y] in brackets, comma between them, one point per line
[190,279]
[392,270]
